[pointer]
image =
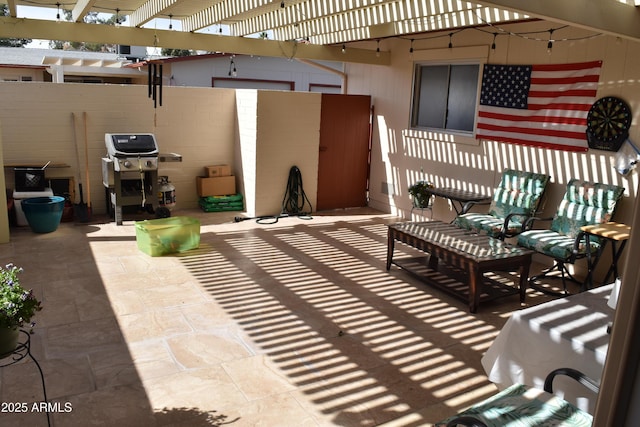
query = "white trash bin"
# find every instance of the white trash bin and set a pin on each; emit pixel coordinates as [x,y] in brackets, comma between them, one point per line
[18,196]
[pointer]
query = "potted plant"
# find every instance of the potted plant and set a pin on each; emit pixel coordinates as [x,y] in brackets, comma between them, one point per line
[421,194]
[17,307]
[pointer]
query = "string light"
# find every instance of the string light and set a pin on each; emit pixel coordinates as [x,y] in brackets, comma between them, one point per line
[550,40]
[411,50]
[523,35]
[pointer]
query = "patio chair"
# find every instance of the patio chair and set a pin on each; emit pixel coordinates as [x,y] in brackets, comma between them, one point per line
[584,203]
[527,406]
[516,198]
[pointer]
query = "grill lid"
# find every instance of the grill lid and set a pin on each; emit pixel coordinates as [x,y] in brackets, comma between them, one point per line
[140,144]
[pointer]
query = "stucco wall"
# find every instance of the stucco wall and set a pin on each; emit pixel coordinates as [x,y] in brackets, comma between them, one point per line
[199,72]
[21,74]
[400,153]
[288,126]
[277,130]
[247,105]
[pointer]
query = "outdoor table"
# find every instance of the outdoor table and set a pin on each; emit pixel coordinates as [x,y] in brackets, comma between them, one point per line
[459,198]
[458,259]
[569,332]
[611,232]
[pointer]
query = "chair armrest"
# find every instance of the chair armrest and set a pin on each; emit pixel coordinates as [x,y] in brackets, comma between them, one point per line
[528,224]
[576,243]
[504,232]
[469,205]
[510,217]
[589,383]
[466,421]
[587,239]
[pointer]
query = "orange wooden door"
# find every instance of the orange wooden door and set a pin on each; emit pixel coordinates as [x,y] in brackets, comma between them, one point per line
[343,169]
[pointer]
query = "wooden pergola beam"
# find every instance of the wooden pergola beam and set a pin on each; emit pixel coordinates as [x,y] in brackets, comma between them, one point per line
[607,16]
[133,36]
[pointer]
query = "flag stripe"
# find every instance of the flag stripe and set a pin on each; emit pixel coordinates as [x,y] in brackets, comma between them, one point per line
[557,93]
[533,131]
[589,78]
[542,119]
[535,113]
[561,106]
[554,113]
[576,66]
[559,87]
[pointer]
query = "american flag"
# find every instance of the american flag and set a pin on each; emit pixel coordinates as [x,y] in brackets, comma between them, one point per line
[538,105]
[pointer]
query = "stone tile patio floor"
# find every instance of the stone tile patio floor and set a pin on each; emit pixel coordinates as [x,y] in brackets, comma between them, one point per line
[289,324]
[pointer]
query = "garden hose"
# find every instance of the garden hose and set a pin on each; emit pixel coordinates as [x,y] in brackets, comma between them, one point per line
[293,202]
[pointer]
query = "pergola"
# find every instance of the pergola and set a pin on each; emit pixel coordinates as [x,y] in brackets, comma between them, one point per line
[306,29]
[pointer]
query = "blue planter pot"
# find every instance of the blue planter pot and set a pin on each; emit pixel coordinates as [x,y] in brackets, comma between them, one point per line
[43,213]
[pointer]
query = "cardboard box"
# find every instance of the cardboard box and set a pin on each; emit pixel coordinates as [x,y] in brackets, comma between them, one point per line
[217,170]
[218,186]
[157,237]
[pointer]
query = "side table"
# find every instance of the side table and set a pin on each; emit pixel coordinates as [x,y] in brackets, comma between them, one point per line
[21,351]
[461,197]
[611,232]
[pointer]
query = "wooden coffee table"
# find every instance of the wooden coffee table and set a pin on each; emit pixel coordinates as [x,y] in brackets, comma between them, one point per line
[465,257]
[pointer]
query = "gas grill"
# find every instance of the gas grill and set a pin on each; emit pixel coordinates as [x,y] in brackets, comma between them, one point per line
[132,152]
[130,172]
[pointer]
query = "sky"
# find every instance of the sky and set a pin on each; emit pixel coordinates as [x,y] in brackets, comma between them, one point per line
[47,13]
[50,13]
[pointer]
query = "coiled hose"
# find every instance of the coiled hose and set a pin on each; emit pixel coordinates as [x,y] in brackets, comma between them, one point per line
[293,202]
[294,197]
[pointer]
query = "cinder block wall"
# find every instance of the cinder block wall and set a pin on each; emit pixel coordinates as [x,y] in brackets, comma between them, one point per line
[197,123]
[204,125]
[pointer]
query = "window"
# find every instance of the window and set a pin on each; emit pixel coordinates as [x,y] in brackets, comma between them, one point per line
[445,96]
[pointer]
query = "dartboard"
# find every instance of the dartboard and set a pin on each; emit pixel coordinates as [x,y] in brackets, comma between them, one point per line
[608,123]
